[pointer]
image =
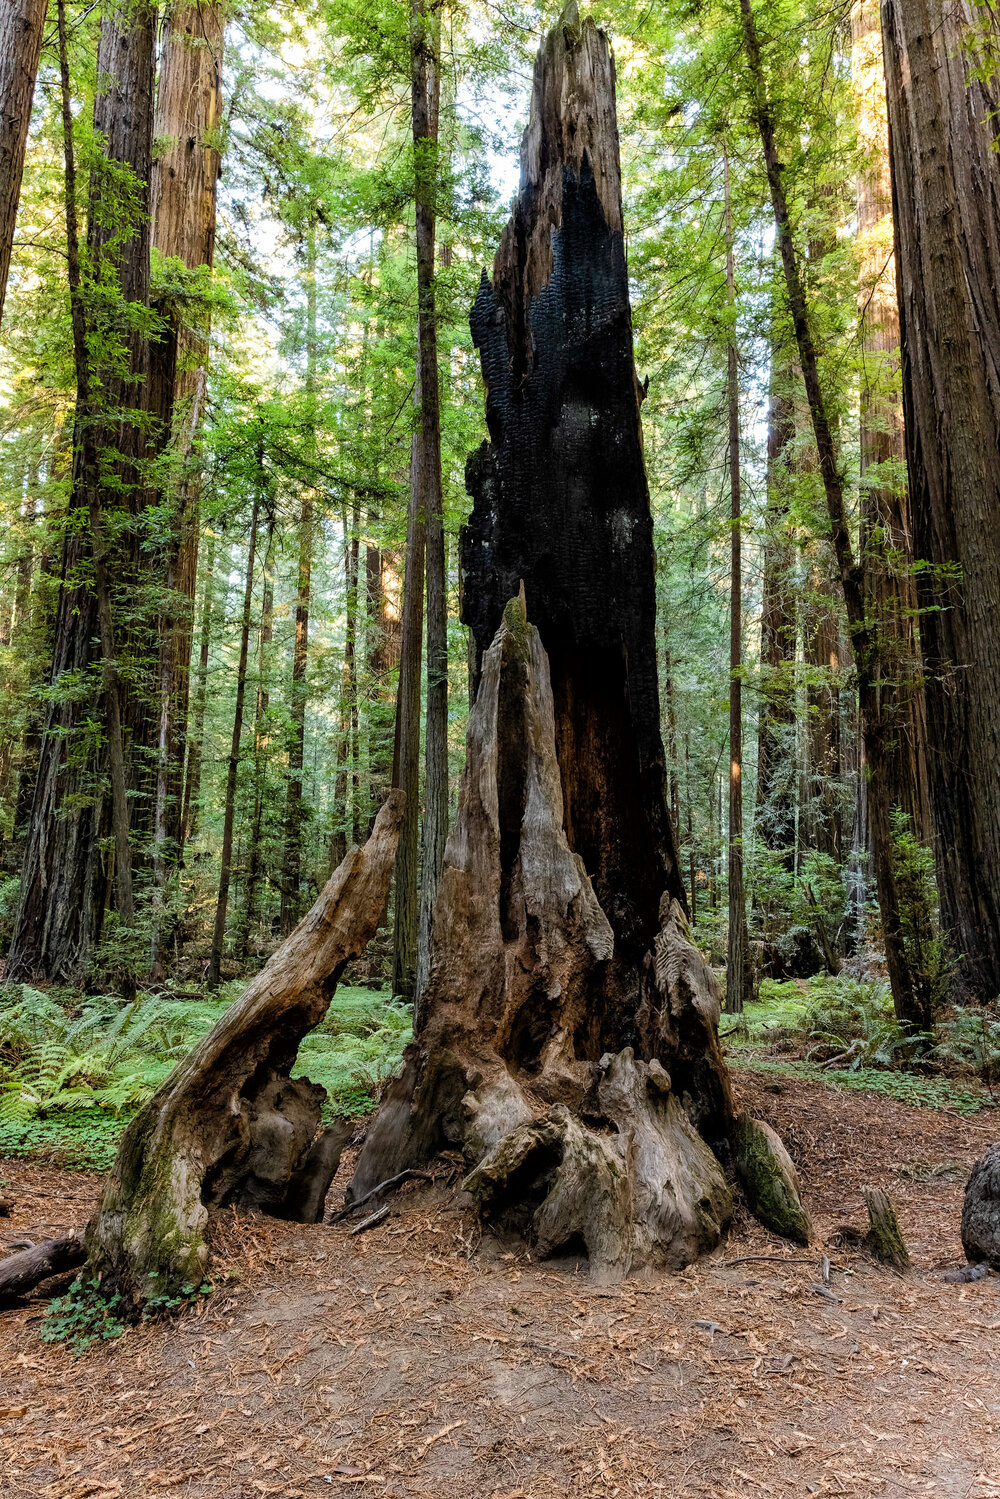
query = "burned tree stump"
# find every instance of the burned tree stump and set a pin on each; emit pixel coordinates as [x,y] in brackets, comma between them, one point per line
[981,1211]
[229,1125]
[567,1043]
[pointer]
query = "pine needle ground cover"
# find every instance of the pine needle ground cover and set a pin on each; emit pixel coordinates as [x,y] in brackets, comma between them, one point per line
[74,1070]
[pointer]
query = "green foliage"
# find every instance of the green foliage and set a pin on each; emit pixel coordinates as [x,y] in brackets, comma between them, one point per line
[852,1025]
[83,1317]
[969,1040]
[72,1074]
[927,952]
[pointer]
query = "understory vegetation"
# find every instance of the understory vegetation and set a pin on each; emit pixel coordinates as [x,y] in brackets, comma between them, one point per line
[74,1070]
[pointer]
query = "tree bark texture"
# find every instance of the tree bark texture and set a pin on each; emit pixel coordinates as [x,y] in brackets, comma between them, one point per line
[567,1044]
[63,882]
[229,1125]
[22,23]
[887,539]
[946,206]
[426,87]
[229,813]
[739,971]
[778,620]
[560,498]
[909,997]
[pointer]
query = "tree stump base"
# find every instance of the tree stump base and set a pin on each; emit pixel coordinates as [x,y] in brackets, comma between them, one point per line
[981,1211]
[229,1125]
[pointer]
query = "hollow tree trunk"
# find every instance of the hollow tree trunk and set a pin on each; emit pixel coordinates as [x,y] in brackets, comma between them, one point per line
[229,1125]
[22,23]
[567,1041]
[946,207]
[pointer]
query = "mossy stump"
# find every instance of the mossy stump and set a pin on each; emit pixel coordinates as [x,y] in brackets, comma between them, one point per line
[769,1180]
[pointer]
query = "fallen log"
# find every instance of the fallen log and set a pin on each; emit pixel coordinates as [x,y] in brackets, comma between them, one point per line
[22,1272]
[230,1125]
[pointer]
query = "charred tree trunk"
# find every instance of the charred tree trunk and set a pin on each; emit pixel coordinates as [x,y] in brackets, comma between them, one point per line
[946,206]
[229,1125]
[22,23]
[567,1041]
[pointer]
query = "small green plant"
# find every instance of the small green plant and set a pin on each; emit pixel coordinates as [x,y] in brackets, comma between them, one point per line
[83,1317]
[852,1025]
[969,1041]
[166,1305]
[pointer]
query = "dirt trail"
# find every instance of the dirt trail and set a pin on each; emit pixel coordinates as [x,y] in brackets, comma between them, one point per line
[402,1362]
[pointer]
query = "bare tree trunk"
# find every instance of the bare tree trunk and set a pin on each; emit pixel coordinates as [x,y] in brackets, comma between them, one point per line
[887,540]
[214,976]
[739,975]
[778,623]
[910,1002]
[943,105]
[260,741]
[195,740]
[425,29]
[567,1041]
[62,888]
[406,749]
[291,864]
[22,23]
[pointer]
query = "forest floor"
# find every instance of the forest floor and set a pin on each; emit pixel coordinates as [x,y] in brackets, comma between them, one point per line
[406,1361]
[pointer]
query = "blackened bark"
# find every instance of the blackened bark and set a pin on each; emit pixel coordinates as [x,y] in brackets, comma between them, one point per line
[21,25]
[561,500]
[946,205]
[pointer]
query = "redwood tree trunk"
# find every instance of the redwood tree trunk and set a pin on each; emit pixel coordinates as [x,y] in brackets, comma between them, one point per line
[887,540]
[946,206]
[909,996]
[22,23]
[778,620]
[63,881]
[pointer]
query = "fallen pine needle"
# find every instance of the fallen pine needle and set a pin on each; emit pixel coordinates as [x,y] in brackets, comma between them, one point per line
[428,1442]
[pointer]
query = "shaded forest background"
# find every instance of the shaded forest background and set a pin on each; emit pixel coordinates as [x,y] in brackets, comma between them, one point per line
[263,517]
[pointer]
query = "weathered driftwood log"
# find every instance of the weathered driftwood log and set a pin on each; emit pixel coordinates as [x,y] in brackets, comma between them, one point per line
[770,1180]
[229,1125]
[981,1211]
[21,1272]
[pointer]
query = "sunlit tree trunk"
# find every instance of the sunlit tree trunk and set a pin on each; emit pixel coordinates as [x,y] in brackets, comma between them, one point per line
[887,540]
